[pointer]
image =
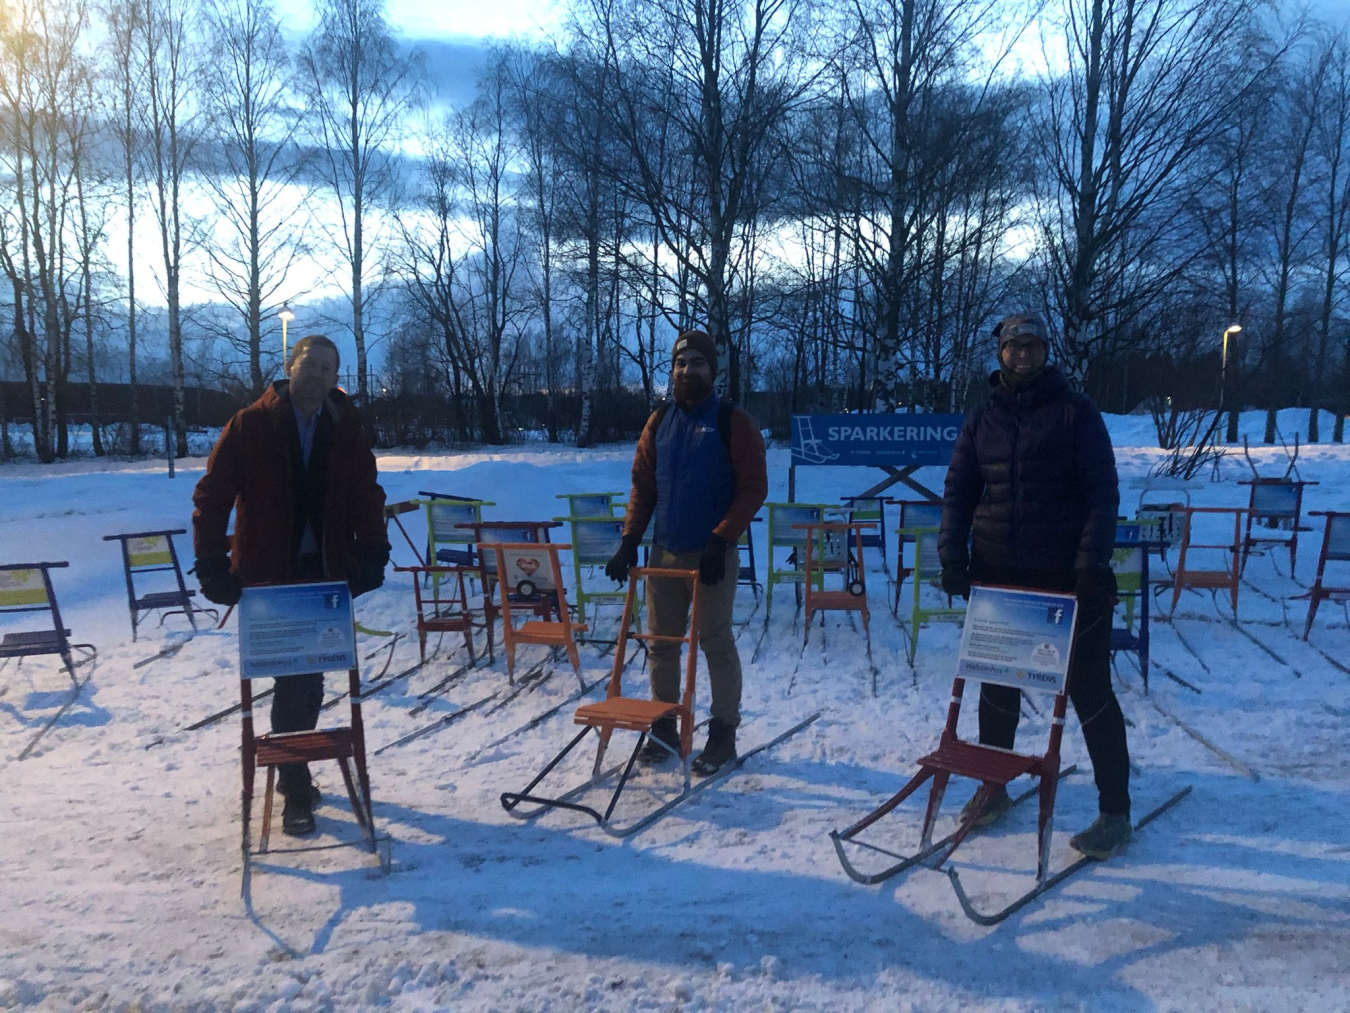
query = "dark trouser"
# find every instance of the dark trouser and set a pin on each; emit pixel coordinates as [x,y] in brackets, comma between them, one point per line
[1090,692]
[296,699]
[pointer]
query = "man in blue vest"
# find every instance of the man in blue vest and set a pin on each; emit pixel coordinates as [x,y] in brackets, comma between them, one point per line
[700,471]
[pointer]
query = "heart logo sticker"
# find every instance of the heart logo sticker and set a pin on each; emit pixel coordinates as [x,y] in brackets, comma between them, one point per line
[527,566]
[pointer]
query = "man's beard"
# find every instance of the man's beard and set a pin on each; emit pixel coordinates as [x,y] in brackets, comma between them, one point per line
[691,389]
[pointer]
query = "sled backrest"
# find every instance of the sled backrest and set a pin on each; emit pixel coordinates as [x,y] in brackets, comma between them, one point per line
[920,522]
[589,504]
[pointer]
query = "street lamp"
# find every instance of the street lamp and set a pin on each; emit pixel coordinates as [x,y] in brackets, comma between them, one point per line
[1223,367]
[1231,433]
[286,316]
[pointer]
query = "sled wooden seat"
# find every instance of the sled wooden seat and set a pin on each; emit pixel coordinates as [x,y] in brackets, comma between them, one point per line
[392,512]
[628,713]
[981,763]
[1276,504]
[18,645]
[275,748]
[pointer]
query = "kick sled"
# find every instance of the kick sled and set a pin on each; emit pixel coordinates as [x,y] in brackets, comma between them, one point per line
[622,713]
[992,767]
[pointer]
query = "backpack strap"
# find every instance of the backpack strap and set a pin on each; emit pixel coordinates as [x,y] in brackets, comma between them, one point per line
[724,410]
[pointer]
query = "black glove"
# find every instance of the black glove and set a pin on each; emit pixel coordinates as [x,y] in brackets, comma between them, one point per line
[1095,587]
[956,581]
[712,565]
[617,568]
[218,584]
[367,572]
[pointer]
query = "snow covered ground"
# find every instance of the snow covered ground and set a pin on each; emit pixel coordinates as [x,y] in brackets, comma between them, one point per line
[122,874]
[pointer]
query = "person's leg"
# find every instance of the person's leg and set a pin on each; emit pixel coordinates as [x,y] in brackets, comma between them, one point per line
[296,700]
[667,616]
[1000,711]
[1098,710]
[718,641]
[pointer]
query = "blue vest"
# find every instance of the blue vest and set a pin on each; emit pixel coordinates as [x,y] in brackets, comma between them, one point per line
[695,483]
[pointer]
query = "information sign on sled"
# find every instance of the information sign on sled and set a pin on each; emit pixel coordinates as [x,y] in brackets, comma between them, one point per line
[1018,638]
[874,440]
[292,629]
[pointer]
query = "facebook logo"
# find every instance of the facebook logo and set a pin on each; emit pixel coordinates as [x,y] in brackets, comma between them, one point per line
[332,600]
[1054,614]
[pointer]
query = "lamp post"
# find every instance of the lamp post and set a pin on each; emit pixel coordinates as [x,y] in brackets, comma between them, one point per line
[1223,380]
[286,316]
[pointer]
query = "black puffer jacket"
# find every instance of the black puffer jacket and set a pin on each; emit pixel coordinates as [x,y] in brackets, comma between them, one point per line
[1032,483]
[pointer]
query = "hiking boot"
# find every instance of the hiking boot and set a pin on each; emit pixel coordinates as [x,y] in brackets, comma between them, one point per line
[720,750]
[1107,835]
[663,730]
[297,818]
[999,803]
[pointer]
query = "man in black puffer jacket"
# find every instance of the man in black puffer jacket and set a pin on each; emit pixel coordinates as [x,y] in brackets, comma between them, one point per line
[1030,501]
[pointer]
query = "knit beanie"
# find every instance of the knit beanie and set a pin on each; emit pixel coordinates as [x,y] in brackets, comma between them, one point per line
[696,341]
[1021,325]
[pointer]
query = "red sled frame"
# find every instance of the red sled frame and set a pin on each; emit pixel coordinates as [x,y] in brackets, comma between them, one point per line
[994,768]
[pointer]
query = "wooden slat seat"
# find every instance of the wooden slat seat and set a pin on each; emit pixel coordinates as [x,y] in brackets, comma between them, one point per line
[35,640]
[838,600]
[630,713]
[982,763]
[163,599]
[304,747]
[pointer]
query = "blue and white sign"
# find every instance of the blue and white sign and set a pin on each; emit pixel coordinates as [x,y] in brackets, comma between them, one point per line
[1018,638]
[874,440]
[292,629]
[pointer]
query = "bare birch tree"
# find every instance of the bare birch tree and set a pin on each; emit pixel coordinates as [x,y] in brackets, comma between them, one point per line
[254,171]
[361,90]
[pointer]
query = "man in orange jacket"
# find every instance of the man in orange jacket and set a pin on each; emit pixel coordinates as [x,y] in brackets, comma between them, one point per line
[700,471]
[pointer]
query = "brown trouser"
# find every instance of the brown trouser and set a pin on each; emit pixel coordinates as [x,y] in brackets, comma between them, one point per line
[668,614]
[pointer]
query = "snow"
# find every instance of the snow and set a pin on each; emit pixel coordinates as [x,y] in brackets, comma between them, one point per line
[120,852]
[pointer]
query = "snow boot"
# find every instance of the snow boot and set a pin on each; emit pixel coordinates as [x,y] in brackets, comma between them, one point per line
[663,730]
[999,804]
[297,817]
[720,750]
[1107,835]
